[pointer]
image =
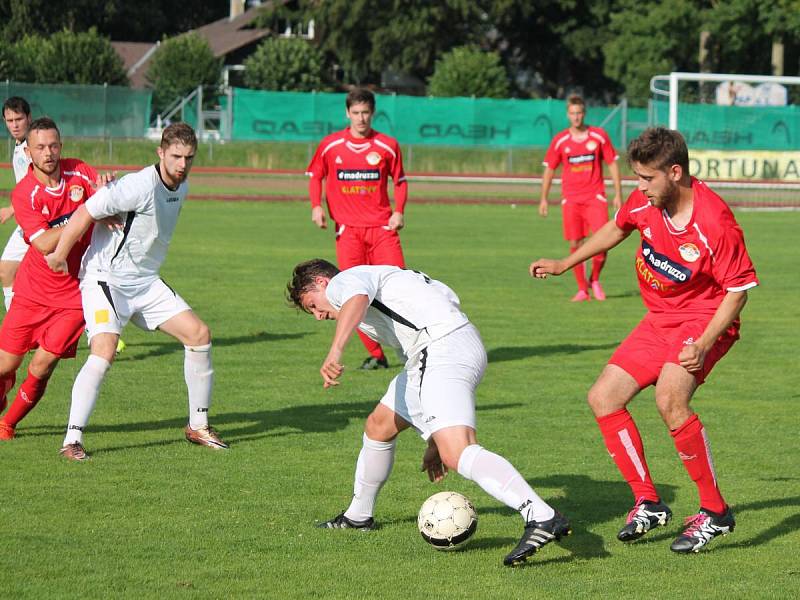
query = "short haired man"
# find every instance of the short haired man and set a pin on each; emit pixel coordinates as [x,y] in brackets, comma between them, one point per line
[694,273]
[356,164]
[582,149]
[434,394]
[17,117]
[120,282]
[46,312]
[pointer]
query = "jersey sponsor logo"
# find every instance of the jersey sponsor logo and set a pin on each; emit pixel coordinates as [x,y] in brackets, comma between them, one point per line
[647,233]
[373,159]
[76,193]
[358,174]
[649,278]
[689,252]
[59,221]
[45,211]
[663,265]
[578,159]
[338,160]
[359,190]
[173,199]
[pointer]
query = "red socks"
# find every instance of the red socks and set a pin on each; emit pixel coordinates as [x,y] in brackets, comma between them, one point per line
[598,261]
[625,446]
[373,347]
[579,271]
[693,448]
[28,394]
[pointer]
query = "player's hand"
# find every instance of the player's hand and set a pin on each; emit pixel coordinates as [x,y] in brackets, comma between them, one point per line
[691,357]
[432,463]
[6,213]
[543,267]
[104,178]
[112,223]
[318,216]
[331,369]
[56,263]
[543,208]
[616,203]
[396,222]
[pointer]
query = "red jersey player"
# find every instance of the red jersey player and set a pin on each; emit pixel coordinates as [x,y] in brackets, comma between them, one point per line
[356,164]
[46,313]
[694,273]
[582,150]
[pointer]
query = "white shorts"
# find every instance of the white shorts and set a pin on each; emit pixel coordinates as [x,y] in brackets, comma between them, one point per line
[15,247]
[437,388]
[108,309]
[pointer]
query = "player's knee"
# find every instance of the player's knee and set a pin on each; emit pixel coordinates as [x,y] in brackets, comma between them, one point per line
[7,273]
[450,457]
[379,427]
[200,335]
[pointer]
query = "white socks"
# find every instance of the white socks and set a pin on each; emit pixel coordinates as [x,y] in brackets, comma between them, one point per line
[8,294]
[199,375]
[372,470]
[500,479]
[84,395]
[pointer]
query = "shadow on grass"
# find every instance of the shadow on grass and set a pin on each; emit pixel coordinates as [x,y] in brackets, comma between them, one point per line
[505,353]
[165,345]
[786,526]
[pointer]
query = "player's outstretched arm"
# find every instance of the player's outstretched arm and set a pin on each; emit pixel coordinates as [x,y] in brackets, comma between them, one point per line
[547,181]
[693,355]
[350,315]
[396,221]
[608,236]
[78,223]
[616,178]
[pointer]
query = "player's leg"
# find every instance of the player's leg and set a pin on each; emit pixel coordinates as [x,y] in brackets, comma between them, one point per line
[30,391]
[13,254]
[351,251]
[597,216]
[573,225]
[9,363]
[633,366]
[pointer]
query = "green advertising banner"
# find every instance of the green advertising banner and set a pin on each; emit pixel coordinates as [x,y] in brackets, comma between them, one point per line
[289,116]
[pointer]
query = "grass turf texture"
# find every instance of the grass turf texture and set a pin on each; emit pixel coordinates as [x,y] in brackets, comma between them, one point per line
[153,516]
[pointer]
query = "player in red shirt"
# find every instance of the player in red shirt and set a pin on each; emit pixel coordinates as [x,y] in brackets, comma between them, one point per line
[582,149]
[46,313]
[694,273]
[356,164]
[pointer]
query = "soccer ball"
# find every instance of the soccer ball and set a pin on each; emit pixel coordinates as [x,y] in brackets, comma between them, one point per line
[447,520]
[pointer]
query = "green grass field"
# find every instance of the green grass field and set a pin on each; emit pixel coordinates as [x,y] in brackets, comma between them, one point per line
[152,516]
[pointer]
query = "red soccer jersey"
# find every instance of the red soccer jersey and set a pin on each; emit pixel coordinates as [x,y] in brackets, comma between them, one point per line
[582,176]
[688,270]
[38,208]
[356,173]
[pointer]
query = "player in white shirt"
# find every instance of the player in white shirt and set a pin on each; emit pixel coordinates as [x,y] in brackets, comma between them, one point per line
[434,394]
[120,282]
[17,117]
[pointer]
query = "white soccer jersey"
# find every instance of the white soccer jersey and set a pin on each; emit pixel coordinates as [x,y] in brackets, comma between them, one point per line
[20,161]
[408,310]
[133,255]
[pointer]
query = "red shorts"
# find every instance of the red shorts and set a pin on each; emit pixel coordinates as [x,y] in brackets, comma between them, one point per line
[28,325]
[659,340]
[582,218]
[367,246]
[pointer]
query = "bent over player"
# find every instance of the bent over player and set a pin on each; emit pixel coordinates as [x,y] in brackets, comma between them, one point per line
[582,149]
[694,273]
[120,282]
[356,164]
[46,311]
[434,394]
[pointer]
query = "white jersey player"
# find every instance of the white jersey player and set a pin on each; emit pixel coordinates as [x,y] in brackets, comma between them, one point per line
[120,282]
[434,394]
[17,117]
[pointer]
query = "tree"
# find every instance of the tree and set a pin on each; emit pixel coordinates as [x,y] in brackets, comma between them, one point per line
[284,64]
[180,65]
[79,58]
[469,71]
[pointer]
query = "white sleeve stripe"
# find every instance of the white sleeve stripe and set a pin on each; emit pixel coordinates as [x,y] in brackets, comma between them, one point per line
[389,148]
[597,136]
[741,288]
[563,139]
[640,208]
[33,196]
[402,179]
[37,234]
[331,145]
[79,174]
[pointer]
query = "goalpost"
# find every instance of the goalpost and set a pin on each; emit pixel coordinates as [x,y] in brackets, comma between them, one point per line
[744,135]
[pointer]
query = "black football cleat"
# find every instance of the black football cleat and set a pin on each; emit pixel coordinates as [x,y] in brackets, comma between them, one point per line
[373,364]
[643,517]
[342,522]
[536,535]
[702,528]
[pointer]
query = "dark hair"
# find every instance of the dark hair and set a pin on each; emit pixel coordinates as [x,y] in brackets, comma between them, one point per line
[178,133]
[659,148]
[576,100]
[360,96]
[303,279]
[43,124]
[18,105]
